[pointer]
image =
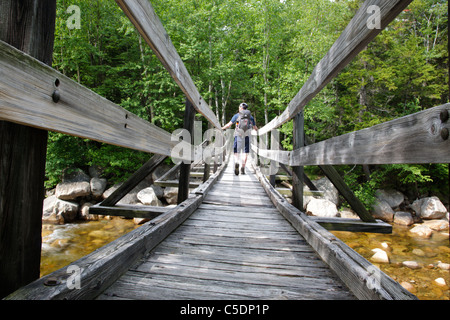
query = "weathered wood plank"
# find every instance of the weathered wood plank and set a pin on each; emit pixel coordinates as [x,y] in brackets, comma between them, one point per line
[352,41]
[102,267]
[248,253]
[353,225]
[27,87]
[128,211]
[411,139]
[355,271]
[144,18]
[414,138]
[28,26]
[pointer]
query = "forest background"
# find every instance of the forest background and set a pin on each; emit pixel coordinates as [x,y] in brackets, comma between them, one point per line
[260,52]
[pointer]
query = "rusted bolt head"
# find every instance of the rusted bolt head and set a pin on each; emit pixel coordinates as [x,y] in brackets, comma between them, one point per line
[56,96]
[445,134]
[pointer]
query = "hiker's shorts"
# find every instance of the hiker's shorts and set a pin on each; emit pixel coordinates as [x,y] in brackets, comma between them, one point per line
[240,146]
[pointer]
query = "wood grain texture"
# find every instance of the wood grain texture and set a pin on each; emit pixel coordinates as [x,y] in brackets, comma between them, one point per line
[355,271]
[415,138]
[241,249]
[102,267]
[144,18]
[26,89]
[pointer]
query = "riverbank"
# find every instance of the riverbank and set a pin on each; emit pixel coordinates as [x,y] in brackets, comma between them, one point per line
[416,263]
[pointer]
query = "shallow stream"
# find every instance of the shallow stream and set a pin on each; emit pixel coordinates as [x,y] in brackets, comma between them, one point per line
[63,244]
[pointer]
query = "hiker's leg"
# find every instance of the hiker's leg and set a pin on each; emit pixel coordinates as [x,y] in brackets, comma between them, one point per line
[246,152]
[237,147]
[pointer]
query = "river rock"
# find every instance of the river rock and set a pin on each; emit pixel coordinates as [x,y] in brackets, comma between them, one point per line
[48,213]
[98,186]
[403,218]
[171,195]
[348,213]
[443,266]
[393,197]
[437,225]
[440,282]
[72,190]
[429,208]
[148,197]
[380,256]
[130,198]
[408,286]
[330,192]
[84,212]
[382,210]
[421,231]
[322,208]
[411,264]
[66,209]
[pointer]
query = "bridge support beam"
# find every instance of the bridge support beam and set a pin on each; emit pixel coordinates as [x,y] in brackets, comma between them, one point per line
[185,168]
[29,26]
[298,172]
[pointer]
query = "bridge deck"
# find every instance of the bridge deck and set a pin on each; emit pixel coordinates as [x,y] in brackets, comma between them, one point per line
[236,245]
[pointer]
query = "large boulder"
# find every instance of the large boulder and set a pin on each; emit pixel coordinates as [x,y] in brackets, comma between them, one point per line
[171,195]
[403,218]
[73,190]
[98,186]
[148,197]
[329,190]
[322,208]
[393,197]
[66,209]
[382,210]
[429,208]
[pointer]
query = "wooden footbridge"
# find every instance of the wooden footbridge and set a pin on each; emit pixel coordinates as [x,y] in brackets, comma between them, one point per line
[233,236]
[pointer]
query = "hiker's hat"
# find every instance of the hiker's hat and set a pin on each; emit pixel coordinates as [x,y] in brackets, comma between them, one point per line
[243,105]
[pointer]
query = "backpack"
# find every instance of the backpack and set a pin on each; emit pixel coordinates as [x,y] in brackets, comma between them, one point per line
[244,121]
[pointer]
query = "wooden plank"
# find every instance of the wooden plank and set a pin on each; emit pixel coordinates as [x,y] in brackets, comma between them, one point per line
[29,26]
[27,87]
[144,18]
[103,266]
[185,167]
[355,271]
[352,41]
[411,139]
[221,252]
[133,181]
[353,225]
[298,171]
[147,212]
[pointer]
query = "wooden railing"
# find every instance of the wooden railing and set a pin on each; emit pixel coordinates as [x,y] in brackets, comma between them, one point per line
[33,94]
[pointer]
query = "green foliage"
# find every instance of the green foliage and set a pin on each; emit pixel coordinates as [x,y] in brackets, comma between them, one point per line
[261,52]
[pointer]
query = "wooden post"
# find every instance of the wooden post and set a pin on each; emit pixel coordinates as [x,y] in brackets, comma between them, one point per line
[185,168]
[298,172]
[274,145]
[29,26]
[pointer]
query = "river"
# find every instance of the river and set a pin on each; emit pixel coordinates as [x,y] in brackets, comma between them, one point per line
[63,244]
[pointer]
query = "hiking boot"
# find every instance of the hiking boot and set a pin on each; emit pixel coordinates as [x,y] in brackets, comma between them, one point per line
[243,170]
[236,169]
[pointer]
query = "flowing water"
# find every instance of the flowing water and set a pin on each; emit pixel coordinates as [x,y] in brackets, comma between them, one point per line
[401,246]
[63,244]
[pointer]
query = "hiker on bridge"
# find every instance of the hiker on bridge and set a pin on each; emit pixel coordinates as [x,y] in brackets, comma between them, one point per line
[244,124]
